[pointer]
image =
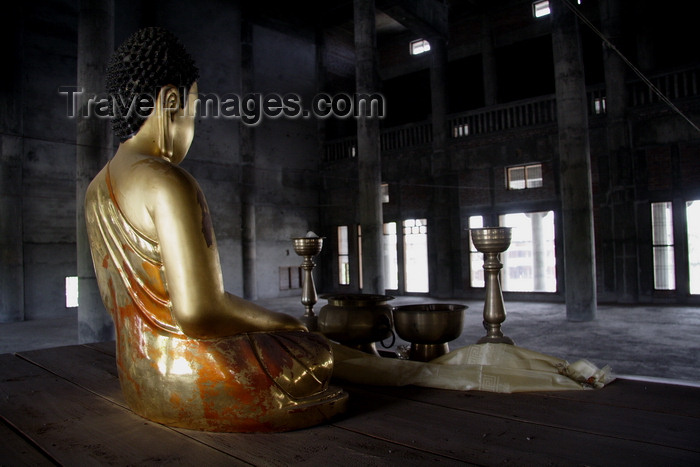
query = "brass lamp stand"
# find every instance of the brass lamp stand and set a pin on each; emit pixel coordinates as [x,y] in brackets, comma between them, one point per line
[492,241]
[308,247]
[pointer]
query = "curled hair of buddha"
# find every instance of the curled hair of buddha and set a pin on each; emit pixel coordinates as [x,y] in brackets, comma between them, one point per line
[150,59]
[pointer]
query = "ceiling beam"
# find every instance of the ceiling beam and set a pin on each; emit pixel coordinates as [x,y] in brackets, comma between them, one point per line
[427,18]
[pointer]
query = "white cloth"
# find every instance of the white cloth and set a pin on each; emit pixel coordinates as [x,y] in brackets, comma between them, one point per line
[484,367]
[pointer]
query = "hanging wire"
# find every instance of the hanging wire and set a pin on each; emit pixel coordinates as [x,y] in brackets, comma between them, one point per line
[612,47]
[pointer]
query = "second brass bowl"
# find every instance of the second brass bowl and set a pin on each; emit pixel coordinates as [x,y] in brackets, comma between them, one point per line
[429,327]
[356,320]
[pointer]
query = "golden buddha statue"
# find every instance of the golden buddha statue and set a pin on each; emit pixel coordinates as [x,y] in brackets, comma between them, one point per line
[189,354]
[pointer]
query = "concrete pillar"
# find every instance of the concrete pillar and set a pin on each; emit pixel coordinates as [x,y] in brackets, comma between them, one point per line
[680,227]
[620,186]
[438,101]
[574,166]
[11,245]
[11,151]
[368,151]
[247,183]
[444,218]
[488,63]
[94,148]
[321,77]
[646,53]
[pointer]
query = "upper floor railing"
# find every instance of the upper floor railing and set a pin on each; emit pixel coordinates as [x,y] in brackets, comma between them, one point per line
[537,111]
[413,134]
[677,85]
[520,114]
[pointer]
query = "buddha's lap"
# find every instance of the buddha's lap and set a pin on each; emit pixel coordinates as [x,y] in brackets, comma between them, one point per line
[298,362]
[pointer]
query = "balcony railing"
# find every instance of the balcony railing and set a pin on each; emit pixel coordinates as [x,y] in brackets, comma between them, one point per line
[677,85]
[514,115]
[345,148]
[413,134]
[538,111]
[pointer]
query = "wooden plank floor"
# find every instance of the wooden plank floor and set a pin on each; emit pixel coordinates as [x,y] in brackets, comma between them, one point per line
[64,406]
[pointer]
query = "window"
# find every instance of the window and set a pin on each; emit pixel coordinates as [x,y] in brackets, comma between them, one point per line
[290,277]
[524,176]
[540,9]
[476,259]
[415,238]
[460,130]
[343,256]
[662,246]
[419,46]
[391,259]
[385,192]
[692,215]
[71,291]
[599,105]
[529,264]
[359,255]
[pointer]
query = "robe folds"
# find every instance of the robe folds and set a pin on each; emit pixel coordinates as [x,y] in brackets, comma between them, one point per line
[260,381]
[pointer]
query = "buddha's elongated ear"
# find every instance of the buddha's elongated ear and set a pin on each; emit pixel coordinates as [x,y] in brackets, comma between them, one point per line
[171,100]
[168,105]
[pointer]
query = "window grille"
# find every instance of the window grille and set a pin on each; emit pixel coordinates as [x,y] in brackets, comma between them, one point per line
[419,46]
[662,246]
[524,176]
[343,256]
[540,9]
[599,106]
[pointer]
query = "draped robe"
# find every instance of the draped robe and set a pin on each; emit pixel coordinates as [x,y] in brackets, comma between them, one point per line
[261,381]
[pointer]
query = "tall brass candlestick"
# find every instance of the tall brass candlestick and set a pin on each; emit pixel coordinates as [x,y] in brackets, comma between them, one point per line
[492,241]
[308,247]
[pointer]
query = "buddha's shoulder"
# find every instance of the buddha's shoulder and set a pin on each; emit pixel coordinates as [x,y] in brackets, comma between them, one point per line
[96,184]
[155,175]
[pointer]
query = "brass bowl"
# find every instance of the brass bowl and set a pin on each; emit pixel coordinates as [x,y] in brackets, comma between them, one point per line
[491,239]
[429,327]
[356,320]
[308,246]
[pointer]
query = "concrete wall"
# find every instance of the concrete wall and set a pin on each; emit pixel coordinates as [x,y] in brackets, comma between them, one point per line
[38,143]
[48,162]
[287,155]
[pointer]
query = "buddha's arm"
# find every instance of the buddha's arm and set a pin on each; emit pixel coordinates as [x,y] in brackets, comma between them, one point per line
[193,272]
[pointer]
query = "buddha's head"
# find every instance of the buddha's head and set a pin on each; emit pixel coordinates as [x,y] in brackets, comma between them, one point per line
[153,69]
